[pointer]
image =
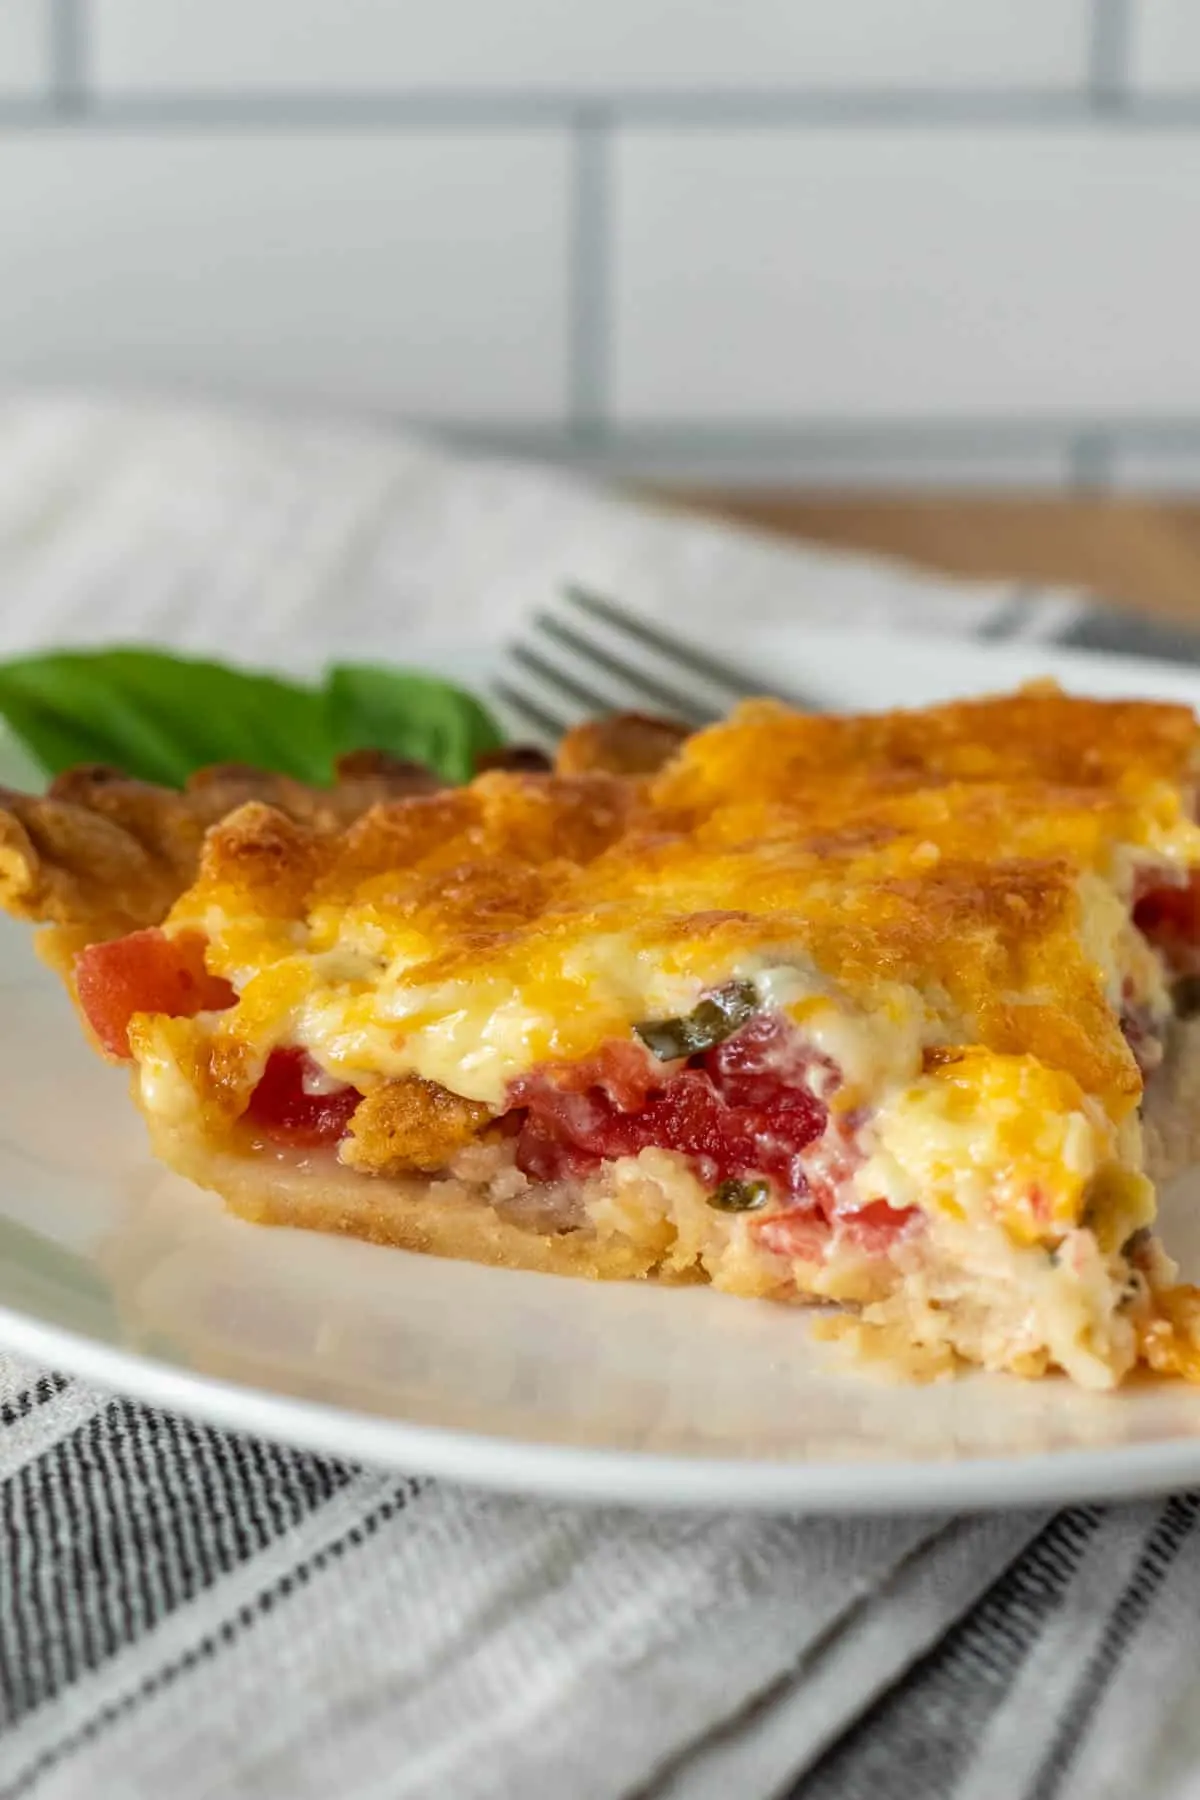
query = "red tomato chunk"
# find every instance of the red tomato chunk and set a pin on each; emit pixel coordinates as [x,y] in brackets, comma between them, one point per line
[146,972]
[807,1234]
[285,1109]
[1170,916]
[747,1108]
[743,1108]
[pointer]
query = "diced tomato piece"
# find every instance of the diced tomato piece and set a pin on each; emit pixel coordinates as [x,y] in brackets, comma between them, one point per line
[768,1064]
[286,1109]
[146,972]
[876,1225]
[743,1108]
[807,1235]
[802,1236]
[1170,917]
[544,1152]
[623,1072]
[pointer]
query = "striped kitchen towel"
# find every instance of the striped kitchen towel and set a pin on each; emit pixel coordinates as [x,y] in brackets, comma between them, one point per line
[185,1611]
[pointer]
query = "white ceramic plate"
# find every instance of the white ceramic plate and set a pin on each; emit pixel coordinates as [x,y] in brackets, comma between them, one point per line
[130,1277]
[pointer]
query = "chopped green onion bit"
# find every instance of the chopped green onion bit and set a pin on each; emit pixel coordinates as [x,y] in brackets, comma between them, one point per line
[716,1018]
[740,1196]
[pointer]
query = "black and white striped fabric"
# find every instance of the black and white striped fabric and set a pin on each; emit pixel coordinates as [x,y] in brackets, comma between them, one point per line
[188,1612]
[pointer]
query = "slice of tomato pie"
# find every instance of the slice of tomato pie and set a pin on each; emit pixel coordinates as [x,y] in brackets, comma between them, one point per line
[888,1012]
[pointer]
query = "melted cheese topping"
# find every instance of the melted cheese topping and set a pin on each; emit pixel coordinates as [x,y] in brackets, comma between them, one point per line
[1002,1137]
[959,876]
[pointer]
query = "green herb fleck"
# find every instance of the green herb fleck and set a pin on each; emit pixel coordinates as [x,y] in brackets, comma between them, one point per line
[1185,996]
[717,1017]
[740,1196]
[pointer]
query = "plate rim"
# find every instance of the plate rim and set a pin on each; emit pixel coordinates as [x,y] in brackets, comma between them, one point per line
[568,1472]
[936,1484]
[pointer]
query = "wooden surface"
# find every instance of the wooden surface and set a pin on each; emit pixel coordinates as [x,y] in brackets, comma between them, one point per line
[1145,553]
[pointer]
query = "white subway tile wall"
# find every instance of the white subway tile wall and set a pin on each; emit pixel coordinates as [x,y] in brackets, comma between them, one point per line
[416,272]
[858,275]
[845,242]
[1166,47]
[634,46]
[25,49]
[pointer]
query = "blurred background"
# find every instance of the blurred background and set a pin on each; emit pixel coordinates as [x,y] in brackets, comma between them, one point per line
[861,244]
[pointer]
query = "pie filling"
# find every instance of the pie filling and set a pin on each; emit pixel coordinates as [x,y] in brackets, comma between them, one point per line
[857,1046]
[976,1202]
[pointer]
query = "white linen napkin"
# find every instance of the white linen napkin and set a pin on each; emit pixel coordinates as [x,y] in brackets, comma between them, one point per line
[190,1612]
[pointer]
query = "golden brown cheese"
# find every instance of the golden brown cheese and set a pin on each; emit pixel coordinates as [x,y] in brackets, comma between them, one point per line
[951,853]
[909,827]
[411,1124]
[1038,733]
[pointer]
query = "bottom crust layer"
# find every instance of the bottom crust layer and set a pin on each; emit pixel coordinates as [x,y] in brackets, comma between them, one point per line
[649,1219]
[436,1218]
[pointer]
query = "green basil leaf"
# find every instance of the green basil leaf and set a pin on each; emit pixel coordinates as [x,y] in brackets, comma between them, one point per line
[160,717]
[410,714]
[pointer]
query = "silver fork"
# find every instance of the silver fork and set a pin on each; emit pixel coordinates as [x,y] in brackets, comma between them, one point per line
[592,656]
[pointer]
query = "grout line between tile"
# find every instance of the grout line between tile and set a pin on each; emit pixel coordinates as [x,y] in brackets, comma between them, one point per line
[68,58]
[1109,73]
[1084,454]
[1091,462]
[741,109]
[950,433]
[814,437]
[1105,101]
[589,274]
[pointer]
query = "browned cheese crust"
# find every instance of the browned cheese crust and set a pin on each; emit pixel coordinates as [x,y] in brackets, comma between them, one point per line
[99,854]
[941,850]
[410,1124]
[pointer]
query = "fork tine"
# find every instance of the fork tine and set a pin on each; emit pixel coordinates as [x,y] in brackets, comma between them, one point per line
[603,659]
[659,693]
[543,721]
[558,680]
[738,683]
